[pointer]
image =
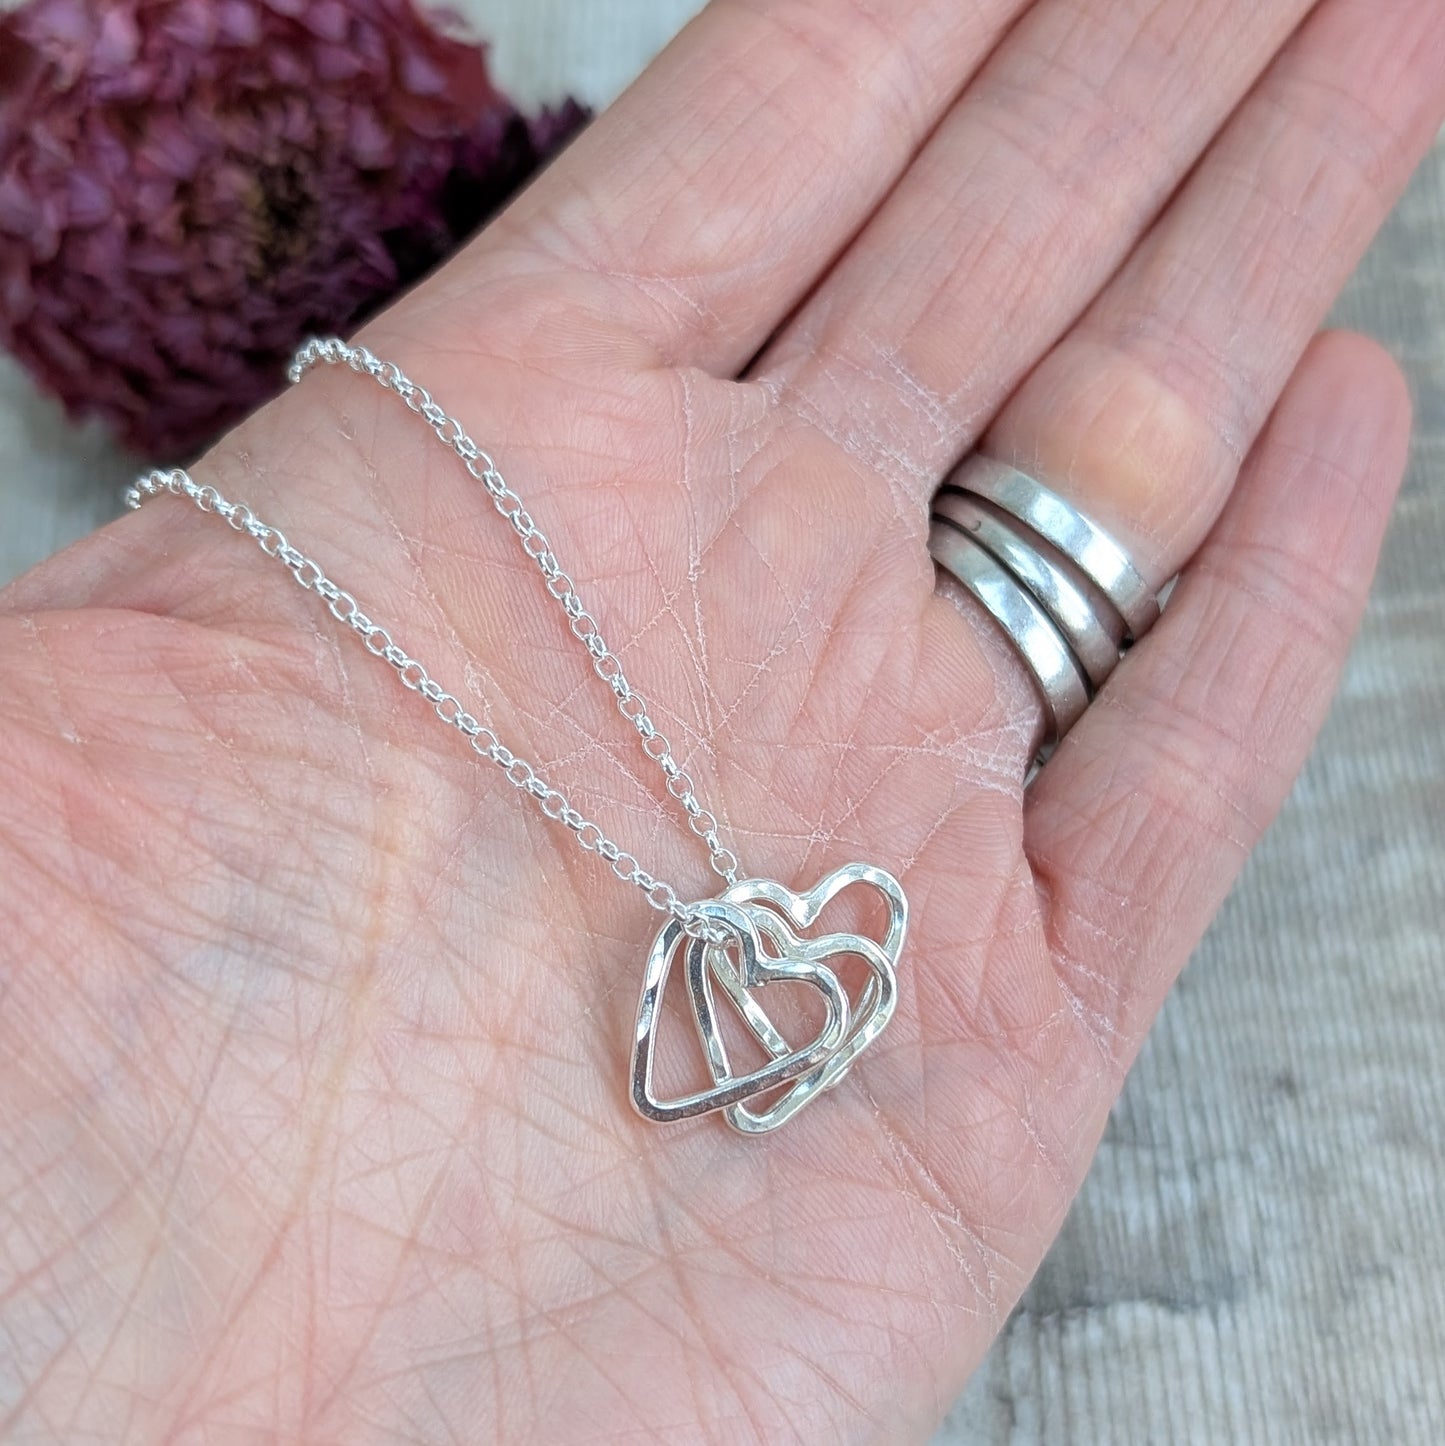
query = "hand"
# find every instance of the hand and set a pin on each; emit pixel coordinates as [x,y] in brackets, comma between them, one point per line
[313,1047]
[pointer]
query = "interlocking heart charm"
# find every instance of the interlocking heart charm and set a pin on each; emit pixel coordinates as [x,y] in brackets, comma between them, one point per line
[762,920]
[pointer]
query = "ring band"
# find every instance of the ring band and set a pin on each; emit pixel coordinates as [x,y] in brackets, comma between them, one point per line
[1094,634]
[1062,589]
[1060,678]
[1058,522]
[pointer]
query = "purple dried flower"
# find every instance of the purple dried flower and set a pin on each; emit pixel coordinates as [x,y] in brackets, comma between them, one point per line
[189,187]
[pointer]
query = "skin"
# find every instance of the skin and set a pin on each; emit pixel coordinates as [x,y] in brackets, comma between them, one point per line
[313,1123]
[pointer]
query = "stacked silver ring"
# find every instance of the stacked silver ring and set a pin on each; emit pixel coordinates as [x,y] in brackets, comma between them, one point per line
[1062,589]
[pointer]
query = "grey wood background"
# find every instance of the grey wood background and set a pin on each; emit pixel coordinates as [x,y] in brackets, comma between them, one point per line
[1257,1255]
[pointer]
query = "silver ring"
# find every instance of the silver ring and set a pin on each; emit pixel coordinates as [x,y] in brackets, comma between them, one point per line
[1060,679]
[1096,554]
[1090,626]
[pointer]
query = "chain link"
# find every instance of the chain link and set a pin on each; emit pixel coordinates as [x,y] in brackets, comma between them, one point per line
[523,776]
[334,352]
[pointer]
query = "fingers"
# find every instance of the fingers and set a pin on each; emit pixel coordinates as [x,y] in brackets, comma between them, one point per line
[1144,411]
[1138,825]
[1023,203]
[1143,414]
[702,205]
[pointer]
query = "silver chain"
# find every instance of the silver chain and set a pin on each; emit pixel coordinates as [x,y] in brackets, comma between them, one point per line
[344,608]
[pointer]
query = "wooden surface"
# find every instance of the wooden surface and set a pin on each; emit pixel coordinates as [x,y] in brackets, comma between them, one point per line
[1258,1253]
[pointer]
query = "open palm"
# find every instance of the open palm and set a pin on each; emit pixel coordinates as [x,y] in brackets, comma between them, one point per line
[313,1051]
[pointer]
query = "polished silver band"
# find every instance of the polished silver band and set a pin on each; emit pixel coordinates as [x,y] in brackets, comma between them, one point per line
[1062,682]
[1094,632]
[1095,553]
[1064,592]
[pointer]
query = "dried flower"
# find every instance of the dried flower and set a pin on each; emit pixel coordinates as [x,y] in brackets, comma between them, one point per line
[189,187]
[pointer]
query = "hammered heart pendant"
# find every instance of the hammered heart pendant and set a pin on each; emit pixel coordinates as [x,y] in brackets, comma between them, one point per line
[762,919]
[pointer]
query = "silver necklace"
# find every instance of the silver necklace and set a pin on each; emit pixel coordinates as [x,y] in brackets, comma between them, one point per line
[753,934]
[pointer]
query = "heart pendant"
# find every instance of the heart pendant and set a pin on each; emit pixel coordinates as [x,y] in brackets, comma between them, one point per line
[760,916]
[756,970]
[766,900]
